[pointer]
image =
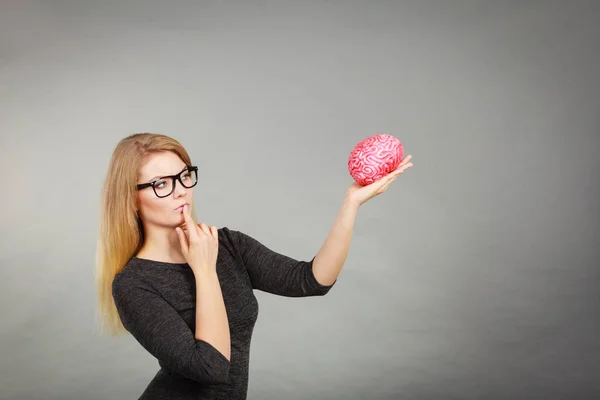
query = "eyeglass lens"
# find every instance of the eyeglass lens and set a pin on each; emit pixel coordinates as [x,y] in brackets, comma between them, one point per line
[164,187]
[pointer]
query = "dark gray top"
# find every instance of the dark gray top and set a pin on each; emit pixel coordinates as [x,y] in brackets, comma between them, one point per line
[157,300]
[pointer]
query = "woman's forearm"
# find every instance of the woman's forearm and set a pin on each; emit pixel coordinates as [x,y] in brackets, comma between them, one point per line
[212,325]
[330,259]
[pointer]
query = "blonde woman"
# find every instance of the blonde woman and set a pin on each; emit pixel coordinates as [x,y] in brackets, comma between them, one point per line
[185,290]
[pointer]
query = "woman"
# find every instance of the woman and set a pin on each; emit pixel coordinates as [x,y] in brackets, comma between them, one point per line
[185,290]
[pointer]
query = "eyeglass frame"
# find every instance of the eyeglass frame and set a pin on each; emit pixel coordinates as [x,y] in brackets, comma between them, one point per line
[177,177]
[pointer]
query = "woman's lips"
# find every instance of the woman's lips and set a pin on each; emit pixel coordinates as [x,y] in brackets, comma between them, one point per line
[180,207]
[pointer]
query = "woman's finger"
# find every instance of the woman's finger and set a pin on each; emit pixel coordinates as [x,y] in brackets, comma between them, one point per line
[190,224]
[215,233]
[405,160]
[402,169]
[204,228]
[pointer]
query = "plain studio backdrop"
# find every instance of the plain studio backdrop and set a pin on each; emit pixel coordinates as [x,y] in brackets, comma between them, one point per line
[475,276]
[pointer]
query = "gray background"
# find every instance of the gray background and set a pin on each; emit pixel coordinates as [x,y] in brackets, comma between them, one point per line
[475,276]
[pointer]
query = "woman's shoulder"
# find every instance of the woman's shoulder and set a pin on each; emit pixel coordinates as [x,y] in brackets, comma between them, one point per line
[235,240]
[227,238]
[224,232]
[131,275]
[233,237]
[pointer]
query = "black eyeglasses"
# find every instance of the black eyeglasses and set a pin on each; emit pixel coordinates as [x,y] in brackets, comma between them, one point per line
[165,185]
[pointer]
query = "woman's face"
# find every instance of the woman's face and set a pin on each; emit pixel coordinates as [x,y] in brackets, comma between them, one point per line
[162,211]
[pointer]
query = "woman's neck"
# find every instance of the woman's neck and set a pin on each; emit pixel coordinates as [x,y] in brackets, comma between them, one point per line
[162,246]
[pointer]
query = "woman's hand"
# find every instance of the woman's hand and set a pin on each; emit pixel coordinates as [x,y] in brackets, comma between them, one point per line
[361,194]
[199,244]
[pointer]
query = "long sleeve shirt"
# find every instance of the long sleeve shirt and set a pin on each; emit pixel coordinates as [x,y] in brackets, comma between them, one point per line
[156,302]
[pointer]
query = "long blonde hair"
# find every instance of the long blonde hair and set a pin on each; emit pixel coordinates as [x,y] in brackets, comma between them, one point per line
[121,232]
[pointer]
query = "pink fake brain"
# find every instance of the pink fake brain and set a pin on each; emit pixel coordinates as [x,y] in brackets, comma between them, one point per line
[374,157]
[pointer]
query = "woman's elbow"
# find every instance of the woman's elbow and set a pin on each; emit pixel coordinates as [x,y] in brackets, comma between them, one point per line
[212,371]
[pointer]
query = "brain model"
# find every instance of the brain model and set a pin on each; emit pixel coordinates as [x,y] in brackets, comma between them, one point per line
[374,157]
